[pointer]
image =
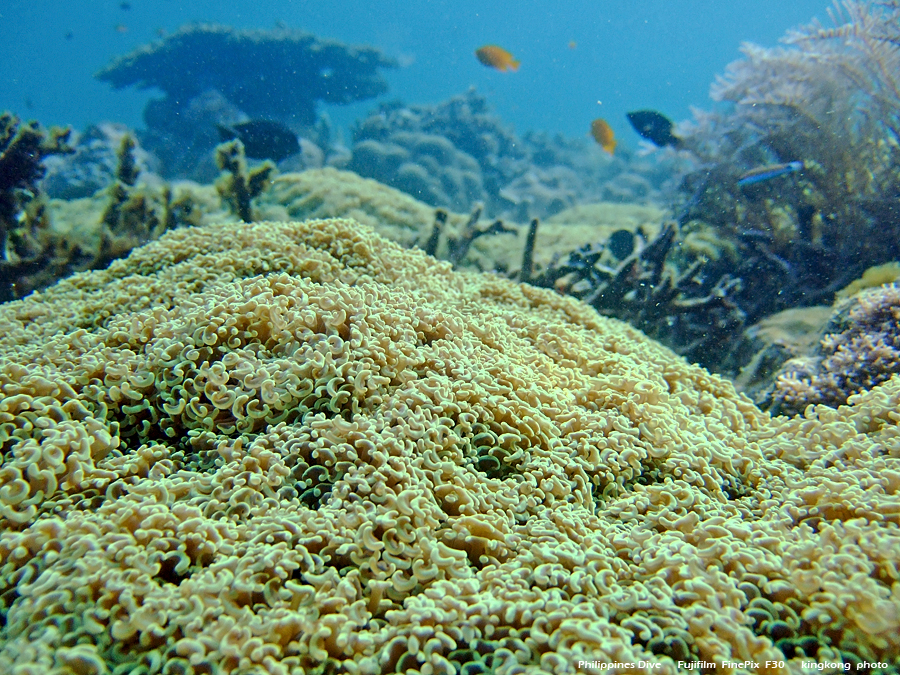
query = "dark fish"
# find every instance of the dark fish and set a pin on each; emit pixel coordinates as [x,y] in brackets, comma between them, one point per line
[262,139]
[621,243]
[125,6]
[761,173]
[655,127]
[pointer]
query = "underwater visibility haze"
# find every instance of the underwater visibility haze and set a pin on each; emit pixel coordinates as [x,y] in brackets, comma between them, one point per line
[449,337]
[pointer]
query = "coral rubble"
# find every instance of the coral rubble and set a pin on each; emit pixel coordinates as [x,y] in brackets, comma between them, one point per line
[298,447]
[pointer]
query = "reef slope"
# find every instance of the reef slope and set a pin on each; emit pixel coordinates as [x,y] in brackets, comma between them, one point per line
[299,447]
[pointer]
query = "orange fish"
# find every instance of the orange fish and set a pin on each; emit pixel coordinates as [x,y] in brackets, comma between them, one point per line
[603,134]
[572,44]
[496,57]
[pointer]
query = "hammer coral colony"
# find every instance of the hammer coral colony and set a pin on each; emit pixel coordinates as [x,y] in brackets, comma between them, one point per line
[449,399]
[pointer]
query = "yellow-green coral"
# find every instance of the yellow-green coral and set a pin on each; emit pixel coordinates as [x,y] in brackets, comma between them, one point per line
[298,447]
[873,277]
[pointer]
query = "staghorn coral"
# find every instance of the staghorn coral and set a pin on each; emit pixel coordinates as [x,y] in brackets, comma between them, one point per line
[859,349]
[298,447]
[458,246]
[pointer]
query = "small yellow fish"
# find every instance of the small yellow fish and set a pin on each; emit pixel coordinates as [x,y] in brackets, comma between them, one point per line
[496,57]
[603,134]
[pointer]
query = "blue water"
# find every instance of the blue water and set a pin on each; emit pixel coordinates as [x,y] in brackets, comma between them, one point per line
[660,54]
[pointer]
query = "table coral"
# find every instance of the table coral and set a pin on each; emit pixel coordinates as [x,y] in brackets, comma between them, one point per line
[298,447]
[300,69]
[237,75]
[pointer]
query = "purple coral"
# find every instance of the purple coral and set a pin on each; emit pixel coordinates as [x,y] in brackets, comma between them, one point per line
[859,351]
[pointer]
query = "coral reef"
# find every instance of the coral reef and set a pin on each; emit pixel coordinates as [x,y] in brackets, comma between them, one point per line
[329,193]
[859,350]
[230,61]
[92,165]
[54,238]
[828,99]
[113,221]
[238,185]
[649,290]
[458,246]
[134,214]
[289,446]
[789,334]
[25,250]
[237,75]
[875,276]
[457,154]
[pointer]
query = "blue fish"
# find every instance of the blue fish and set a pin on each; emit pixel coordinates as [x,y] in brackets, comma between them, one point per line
[762,173]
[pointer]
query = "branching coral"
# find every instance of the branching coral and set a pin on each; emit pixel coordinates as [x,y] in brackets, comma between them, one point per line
[458,246]
[647,290]
[24,248]
[238,185]
[828,99]
[133,215]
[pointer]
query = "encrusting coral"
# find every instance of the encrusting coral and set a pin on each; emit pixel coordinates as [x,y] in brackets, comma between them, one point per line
[298,447]
[859,349]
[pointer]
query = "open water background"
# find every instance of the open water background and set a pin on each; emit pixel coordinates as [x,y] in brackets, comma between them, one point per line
[660,54]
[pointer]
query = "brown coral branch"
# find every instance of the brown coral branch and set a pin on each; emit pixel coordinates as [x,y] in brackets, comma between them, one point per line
[238,186]
[528,252]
